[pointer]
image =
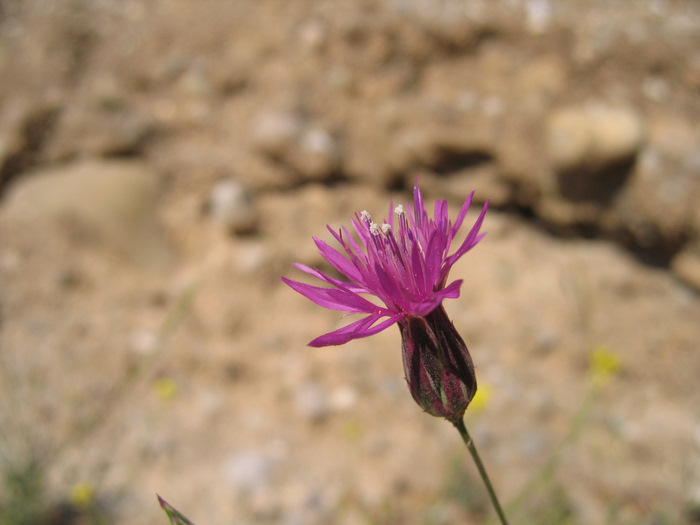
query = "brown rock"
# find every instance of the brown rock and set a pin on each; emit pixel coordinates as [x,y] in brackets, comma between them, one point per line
[276,131]
[233,207]
[686,266]
[308,150]
[317,154]
[95,203]
[102,122]
[593,136]
[24,130]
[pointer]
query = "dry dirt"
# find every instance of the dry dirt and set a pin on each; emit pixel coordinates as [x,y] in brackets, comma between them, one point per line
[162,163]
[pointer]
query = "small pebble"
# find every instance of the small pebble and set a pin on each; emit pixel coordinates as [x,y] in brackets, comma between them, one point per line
[538,15]
[232,206]
[247,471]
[317,155]
[343,398]
[144,342]
[275,132]
[311,401]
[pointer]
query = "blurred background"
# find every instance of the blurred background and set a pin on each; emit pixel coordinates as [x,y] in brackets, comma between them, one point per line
[163,162]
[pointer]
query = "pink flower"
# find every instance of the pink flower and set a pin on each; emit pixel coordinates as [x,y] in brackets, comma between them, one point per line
[404,263]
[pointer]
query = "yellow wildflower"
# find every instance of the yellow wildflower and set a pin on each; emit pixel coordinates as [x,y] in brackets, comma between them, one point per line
[166,388]
[603,365]
[481,398]
[82,494]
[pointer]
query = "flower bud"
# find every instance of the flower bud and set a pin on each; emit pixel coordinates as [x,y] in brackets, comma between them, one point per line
[438,367]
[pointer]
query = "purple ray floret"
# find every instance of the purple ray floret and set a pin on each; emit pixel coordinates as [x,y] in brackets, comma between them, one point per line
[404,263]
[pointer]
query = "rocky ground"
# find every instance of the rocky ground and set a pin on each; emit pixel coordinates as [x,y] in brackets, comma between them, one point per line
[163,163]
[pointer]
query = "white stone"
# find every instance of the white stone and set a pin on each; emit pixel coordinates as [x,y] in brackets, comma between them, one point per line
[232,206]
[593,135]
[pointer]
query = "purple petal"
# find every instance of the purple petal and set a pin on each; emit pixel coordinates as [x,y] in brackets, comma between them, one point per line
[348,242]
[345,285]
[418,207]
[449,292]
[356,330]
[433,257]
[337,260]
[418,269]
[389,286]
[333,298]
[462,214]
[470,241]
[441,216]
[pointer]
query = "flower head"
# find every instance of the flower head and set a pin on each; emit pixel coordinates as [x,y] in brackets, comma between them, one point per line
[404,263]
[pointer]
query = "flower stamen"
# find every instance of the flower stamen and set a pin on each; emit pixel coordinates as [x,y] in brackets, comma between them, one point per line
[365,217]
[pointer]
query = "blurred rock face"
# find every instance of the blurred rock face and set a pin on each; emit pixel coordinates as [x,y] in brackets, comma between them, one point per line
[585,123]
[109,204]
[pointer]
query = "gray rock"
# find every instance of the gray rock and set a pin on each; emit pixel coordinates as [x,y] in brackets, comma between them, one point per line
[311,401]
[307,149]
[538,15]
[276,131]
[318,154]
[232,206]
[247,472]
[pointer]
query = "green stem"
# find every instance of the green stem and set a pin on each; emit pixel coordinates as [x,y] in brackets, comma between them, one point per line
[459,425]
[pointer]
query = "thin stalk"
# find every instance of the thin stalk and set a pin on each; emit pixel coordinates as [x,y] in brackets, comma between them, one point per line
[459,425]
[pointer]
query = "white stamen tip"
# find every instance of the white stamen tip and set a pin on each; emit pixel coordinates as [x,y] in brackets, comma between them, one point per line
[386,228]
[373,228]
[365,216]
[399,210]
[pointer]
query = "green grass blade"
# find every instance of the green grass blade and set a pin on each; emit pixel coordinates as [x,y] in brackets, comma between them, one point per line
[173,514]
